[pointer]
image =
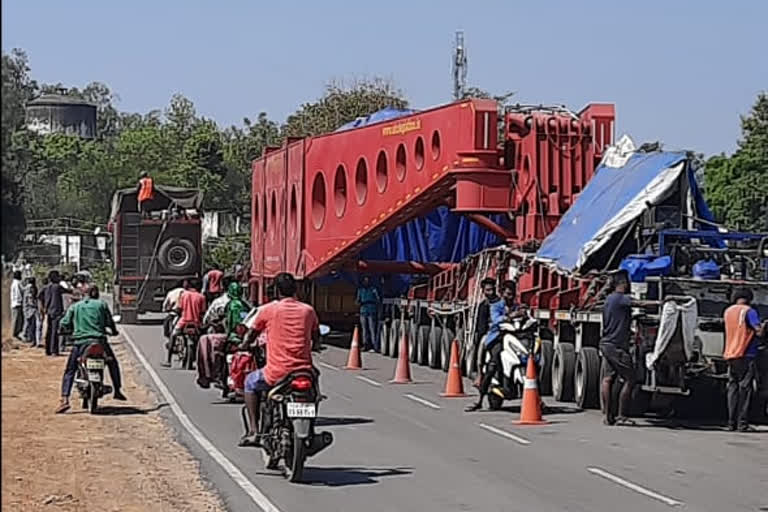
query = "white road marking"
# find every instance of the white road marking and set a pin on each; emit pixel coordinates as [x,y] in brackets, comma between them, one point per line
[329,366]
[422,401]
[369,381]
[237,476]
[504,433]
[634,487]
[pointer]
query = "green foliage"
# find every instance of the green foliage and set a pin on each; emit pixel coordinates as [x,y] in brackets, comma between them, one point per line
[736,186]
[226,252]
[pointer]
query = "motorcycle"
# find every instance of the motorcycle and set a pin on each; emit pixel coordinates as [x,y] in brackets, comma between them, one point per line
[89,379]
[287,427]
[519,339]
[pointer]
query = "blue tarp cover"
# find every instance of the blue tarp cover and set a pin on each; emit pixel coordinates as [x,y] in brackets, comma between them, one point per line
[440,236]
[611,200]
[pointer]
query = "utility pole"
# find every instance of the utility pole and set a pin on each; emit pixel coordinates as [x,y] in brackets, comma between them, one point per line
[459,66]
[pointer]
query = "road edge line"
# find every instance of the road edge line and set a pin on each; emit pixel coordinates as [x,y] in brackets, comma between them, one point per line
[634,487]
[237,476]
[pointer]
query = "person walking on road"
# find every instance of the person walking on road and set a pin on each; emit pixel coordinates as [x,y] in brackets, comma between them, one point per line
[369,299]
[31,312]
[90,321]
[53,301]
[742,330]
[614,347]
[17,305]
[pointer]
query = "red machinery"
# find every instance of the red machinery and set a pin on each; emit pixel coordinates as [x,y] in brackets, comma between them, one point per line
[317,202]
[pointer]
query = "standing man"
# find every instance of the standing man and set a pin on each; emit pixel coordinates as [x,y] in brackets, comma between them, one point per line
[500,311]
[292,328]
[483,319]
[614,347]
[90,321]
[742,330]
[145,192]
[17,305]
[212,284]
[31,312]
[369,299]
[53,302]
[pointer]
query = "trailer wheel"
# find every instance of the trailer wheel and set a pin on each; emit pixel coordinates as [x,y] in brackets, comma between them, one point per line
[445,348]
[563,365]
[435,347]
[587,378]
[422,345]
[394,337]
[177,255]
[384,337]
[413,341]
[545,377]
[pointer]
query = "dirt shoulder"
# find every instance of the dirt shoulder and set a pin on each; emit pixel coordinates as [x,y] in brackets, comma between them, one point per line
[125,459]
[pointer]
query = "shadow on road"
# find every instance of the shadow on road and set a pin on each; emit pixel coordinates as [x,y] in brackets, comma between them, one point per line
[344,476]
[122,410]
[336,421]
[549,409]
[686,424]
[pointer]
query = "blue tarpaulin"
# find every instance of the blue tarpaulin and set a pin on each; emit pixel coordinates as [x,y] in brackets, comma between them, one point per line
[440,236]
[613,198]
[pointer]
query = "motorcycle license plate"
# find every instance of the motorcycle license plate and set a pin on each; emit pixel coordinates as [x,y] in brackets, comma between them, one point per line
[94,364]
[299,410]
[94,376]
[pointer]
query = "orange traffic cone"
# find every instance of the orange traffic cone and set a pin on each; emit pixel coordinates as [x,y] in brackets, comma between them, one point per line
[403,369]
[355,362]
[530,410]
[454,386]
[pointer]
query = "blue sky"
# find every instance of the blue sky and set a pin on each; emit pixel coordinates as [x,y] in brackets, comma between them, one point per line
[678,71]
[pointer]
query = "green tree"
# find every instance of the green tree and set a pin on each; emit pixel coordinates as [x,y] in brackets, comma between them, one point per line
[340,105]
[736,186]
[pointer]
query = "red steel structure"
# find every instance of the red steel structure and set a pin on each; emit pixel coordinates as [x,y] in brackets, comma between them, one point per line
[318,201]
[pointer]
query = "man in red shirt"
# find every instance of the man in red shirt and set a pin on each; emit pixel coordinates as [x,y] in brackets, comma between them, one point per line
[212,284]
[190,311]
[291,328]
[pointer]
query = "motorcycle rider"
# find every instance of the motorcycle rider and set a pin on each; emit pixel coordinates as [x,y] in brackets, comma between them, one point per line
[170,304]
[503,310]
[291,327]
[90,321]
[190,310]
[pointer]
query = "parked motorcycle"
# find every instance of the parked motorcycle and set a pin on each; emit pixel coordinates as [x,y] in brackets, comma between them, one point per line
[90,376]
[287,430]
[519,339]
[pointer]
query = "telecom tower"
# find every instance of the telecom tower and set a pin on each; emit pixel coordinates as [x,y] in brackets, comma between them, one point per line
[459,66]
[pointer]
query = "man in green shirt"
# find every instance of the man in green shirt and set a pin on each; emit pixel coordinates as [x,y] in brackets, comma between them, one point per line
[89,320]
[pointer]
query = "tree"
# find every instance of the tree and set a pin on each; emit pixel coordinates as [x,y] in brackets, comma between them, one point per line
[340,105]
[736,187]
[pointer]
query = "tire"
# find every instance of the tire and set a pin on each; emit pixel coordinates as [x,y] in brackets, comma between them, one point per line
[545,377]
[413,343]
[295,470]
[587,378]
[177,255]
[563,366]
[435,347]
[495,402]
[394,337]
[93,399]
[422,347]
[445,348]
[384,337]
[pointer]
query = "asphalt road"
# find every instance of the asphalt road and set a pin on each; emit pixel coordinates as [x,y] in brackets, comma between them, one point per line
[404,448]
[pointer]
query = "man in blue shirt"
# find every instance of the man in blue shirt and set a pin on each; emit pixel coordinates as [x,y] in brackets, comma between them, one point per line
[501,311]
[369,299]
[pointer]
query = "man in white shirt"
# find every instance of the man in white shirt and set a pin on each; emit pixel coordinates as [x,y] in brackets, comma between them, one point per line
[17,305]
[170,305]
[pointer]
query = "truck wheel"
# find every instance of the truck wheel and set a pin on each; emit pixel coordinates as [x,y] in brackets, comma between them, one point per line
[587,378]
[177,255]
[435,347]
[394,337]
[422,345]
[384,337]
[445,348]
[563,365]
[412,332]
[545,377]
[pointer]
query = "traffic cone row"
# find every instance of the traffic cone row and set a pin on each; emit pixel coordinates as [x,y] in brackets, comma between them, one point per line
[530,410]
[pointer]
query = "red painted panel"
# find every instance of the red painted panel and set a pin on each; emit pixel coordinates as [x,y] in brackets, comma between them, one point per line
[258,218]
[295,208]
[275,179]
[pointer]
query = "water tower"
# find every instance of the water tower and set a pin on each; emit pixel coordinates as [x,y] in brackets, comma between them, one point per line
[57,113]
